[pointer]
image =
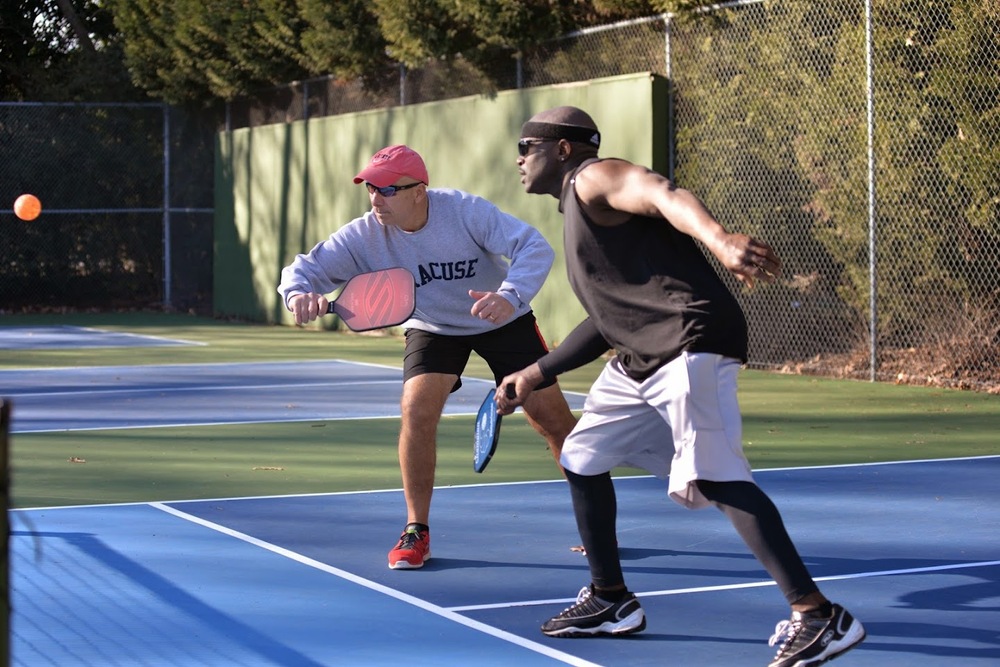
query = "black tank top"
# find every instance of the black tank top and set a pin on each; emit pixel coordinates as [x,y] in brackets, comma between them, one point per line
[649,289]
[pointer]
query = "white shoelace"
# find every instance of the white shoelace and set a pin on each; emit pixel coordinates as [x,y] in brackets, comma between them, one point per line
[787,629]
[581,597]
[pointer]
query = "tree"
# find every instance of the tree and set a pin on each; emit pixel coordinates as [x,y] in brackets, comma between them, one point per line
[341,38]
[185,51]
[937,98]
[65,50]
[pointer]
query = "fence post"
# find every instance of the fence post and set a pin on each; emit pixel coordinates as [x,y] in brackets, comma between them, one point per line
[668,68]
[872,274]
[167,279]
[402,84]
[5,413]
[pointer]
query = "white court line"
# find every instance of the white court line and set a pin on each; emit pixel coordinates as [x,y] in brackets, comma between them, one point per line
[204,387]
[732,587]
[45,329]
[318,494]
[143,336]
[297,420]
[477,485]
[139,391]
[198,364]
[403,597]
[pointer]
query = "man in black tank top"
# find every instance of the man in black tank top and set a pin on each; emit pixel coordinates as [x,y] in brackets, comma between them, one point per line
[666,402]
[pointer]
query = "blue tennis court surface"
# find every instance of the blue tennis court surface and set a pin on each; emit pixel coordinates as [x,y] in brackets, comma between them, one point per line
[60,399]
[910,548]
[65,336]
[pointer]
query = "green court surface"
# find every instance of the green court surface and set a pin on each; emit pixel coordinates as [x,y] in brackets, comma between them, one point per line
[788,421]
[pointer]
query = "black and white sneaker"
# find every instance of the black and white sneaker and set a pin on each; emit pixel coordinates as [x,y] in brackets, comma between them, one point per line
[808,640]
[592,616]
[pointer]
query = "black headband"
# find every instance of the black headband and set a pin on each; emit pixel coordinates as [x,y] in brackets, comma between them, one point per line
[584,135]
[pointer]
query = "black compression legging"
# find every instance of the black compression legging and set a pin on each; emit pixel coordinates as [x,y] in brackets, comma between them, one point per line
[748,508]
[596,510]
[759,523]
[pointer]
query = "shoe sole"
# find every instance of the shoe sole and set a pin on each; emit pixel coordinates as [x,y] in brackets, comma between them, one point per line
[407,565]
[854,636]
[623,627]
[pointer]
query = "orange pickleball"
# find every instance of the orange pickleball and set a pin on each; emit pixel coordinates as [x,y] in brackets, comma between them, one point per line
[27,207]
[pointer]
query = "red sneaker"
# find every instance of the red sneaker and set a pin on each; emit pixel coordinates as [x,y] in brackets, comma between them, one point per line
[412,550]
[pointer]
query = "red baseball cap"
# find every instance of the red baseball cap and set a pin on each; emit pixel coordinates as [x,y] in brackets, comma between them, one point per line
[392,163]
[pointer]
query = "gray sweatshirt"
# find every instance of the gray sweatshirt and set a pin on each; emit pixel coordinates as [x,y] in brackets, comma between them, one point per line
[467,243]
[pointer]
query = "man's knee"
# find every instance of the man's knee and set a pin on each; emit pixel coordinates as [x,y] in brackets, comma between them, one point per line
[548,409]
[740,495]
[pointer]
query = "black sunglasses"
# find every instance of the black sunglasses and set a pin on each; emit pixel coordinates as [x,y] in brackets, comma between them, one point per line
[389,190]
[524,145]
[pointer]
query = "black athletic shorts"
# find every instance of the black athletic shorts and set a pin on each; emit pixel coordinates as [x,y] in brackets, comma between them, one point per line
[506,349]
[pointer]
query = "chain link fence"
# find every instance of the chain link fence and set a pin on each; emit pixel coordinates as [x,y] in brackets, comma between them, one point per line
[863,141]
[126,192]
[859,137]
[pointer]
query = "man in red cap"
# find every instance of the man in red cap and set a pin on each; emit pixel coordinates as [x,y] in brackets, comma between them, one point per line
[476,270]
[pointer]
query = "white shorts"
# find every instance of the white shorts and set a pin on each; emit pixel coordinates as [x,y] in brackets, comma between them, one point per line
[683,421]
